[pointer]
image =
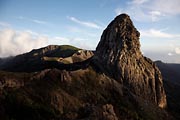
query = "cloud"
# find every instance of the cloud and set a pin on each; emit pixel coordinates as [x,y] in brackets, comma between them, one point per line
[169,7]
[39,21]
[138,2]
[154,33]
[163,56]
[155,15]
[32,32]
[4,24]
[13,42]
[84,23]
[77,42]
[82,32]
[177,50]
[74,29]
[170,54]
[150,10]
[136,12]
[17,42]
[32,20]
[60,40]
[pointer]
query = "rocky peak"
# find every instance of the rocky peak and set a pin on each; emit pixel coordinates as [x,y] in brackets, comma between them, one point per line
[119,52]
[120,37]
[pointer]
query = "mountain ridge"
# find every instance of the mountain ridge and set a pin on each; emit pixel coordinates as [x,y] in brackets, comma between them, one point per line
[114,82]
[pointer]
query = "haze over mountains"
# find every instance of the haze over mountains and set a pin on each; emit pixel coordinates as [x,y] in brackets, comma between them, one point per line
[113,82]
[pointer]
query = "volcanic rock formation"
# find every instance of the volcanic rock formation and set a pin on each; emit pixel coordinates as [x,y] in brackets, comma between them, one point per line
[66,83]
[119,51]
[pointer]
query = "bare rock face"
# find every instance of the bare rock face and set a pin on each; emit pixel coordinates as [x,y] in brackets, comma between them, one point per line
[119,52]
[109,113]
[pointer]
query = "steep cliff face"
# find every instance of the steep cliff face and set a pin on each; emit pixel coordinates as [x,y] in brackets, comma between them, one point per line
[119,51]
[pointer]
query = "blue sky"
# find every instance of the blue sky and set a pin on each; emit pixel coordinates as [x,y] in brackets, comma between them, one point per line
[30,24]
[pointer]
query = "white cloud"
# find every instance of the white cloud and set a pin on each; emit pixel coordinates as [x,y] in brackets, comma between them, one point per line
[170,54]
[157,34]
[163,56]
[170,7]
[82,43]
[32,32]
[4,24]
[100,23]
[60,40]
[82,32]
[84,23]
[32,20]
[136,12]
[155,15]
[177,50]
[39,21]
[77,42]
[13,42]
[150,10]
[138,2]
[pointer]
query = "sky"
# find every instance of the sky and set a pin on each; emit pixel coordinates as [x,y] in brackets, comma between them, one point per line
[32,24]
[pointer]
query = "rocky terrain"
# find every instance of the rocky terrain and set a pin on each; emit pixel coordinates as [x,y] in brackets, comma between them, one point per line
[119,48]
[66,83]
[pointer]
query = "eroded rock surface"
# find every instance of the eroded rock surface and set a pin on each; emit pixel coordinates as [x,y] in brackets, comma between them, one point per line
[119,51]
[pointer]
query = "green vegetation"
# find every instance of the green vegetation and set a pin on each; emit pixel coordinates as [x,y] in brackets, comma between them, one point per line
[68,47]
[63,51]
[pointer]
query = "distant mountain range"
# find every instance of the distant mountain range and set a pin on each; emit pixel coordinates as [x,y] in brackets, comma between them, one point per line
[171,78]
[111,83]
[170,71]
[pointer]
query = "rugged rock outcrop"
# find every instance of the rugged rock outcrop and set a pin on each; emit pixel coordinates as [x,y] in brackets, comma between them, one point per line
[67,83]
[119,51]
